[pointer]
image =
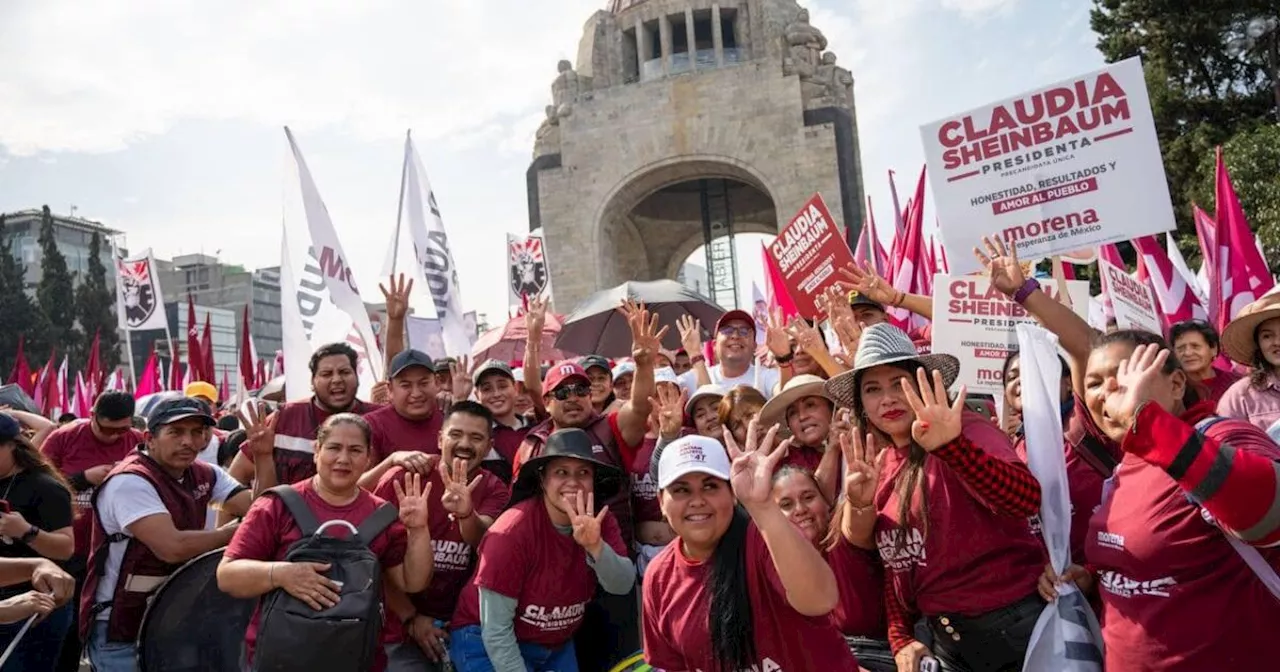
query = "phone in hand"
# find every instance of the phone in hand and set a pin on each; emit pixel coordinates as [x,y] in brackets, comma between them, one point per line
[4,506]
[930,664]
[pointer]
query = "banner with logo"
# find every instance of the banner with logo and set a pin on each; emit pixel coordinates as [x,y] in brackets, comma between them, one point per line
[976,323]
[807,253]
[139,302]
[1071,165]
[1134,305]
[528,276]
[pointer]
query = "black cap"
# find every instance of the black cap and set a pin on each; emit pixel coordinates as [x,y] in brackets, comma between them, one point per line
[10,428]
[595,361]
[857,298]
[173,410]
[493,366]
[410,358]
[442,365]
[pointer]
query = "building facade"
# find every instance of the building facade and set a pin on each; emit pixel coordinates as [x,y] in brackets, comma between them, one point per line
[71,235]
[214,284]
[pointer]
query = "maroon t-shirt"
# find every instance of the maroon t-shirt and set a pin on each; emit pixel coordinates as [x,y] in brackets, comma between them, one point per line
[268,530]
[677,600]
[296,425]
[507,440]
[1220,383]
[393,432]
[971,560]
[71,449]
[802,456]
[644,489]
[1176,597]
[454,558]
[860,577]
[523,556]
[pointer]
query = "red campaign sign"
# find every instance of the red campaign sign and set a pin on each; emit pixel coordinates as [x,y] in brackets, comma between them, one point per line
[808,253]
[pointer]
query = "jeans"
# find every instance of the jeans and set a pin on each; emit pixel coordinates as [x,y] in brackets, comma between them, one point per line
[992,642]
[466,649]
[610,631]
[110,656]
[40,648]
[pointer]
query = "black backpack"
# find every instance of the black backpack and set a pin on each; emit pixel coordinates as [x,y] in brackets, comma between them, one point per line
[294,637]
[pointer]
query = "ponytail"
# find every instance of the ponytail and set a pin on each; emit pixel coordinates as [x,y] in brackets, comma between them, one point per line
[729,617]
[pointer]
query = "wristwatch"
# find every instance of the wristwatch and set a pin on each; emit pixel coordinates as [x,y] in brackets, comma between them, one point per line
[29,535]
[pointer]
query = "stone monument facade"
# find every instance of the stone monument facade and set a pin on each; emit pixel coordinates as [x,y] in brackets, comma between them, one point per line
[668,97]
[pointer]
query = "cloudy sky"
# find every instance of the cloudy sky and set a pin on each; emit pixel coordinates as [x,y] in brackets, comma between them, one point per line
[162,118]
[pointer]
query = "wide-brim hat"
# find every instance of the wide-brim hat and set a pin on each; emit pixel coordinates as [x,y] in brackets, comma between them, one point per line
[574,443]
[799,387]
[1238,340]
[886,344]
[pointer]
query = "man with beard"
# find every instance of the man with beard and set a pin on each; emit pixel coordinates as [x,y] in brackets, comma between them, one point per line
[407,430]
[148,519]
[281,447]
[735,348]
[610,628]
[470,500]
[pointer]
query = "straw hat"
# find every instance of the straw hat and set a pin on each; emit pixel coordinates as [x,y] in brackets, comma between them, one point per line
[799,387]
[886,344]
[1238,339]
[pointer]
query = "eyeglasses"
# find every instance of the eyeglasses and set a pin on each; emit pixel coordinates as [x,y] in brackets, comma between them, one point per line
[109,431]
[740,332]
[576,390]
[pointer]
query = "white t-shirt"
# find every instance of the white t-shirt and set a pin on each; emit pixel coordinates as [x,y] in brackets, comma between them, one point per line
[210,457]
[125,500]
[768,379]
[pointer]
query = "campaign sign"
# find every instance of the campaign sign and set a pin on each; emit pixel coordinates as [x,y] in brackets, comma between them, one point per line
[977,324]
[1072,165]
[808,252]
[1134,305]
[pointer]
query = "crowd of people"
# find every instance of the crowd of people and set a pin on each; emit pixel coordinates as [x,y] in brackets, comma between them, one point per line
[786,506]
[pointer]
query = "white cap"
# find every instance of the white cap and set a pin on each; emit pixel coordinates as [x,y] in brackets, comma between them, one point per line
[622,369]
[665,375]
[692,454]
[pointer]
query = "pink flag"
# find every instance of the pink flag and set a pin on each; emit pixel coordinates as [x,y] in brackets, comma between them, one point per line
[81,404]
[774,288]
[59,400]
[1207,233]
[880,258]
[1177,302]
[1242,273]
[149,382]
[913,276]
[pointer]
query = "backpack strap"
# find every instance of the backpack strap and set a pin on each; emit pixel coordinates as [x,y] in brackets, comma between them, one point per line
[1097,455]
[297,507]
[377,522]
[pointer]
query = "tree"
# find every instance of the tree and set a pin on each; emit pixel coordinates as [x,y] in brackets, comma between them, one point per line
[1200,96]
[21,317]
[56,291]
[1253,159]
[96,310]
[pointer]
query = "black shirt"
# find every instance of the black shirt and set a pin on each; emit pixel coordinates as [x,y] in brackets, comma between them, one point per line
[43,502]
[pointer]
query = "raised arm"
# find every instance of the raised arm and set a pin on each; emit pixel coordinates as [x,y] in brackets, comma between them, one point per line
[397,298]
[691,341]
[535,318]
[646,341]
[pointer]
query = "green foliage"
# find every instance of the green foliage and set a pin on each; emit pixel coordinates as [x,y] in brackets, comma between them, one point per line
[21,317]
[1200,96]
[96,310]
[56,292]
[1253,159]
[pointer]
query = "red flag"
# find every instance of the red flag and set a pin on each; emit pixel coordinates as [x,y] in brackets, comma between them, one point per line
[1177,302]
[223,387]
[195,352]
[149,381]
[1242,272]
[775,290]
[261,378]
[247,371]
[208,373]
[93,367]
[43,382]
[913,273]
[21,374]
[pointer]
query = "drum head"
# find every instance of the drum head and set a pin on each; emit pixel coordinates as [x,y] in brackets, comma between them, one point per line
[633,664]
[192,626]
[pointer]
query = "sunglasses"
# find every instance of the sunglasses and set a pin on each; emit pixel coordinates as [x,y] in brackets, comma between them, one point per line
[740,332]
[576,390]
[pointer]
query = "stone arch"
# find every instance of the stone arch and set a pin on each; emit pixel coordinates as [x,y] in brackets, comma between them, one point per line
[612,218]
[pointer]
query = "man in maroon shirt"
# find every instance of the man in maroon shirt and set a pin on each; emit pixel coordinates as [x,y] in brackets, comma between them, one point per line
[497,389]
[407,430]
[280,448]
[84,451]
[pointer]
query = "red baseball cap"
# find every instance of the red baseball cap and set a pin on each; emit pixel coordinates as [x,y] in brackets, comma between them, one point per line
[563,372]
[735,315]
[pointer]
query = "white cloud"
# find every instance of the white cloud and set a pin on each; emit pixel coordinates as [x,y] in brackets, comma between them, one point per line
[120,71]
[978,8]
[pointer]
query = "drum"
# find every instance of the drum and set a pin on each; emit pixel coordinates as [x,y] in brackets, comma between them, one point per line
[190,625]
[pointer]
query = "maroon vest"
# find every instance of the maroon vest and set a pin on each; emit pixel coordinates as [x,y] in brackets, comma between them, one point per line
[141,572]
[602,435]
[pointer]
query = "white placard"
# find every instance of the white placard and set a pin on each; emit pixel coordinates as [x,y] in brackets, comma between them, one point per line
[1071,165]
[976,323]
[1134,305]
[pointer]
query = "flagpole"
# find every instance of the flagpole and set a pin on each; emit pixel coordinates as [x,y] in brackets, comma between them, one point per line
[395,254]
[128,348]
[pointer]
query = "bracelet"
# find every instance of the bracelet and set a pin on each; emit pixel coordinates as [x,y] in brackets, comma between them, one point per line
[1025,291]
[784,359]
[697,359]
[897,300]
[466,517]
[271,570]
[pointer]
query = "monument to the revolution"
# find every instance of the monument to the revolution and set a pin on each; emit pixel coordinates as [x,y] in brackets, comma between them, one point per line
[682,123]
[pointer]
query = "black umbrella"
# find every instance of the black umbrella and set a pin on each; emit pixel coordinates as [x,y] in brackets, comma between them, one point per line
[13,397]
[597,327]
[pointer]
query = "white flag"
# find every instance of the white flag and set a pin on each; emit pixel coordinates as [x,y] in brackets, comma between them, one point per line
[421,243]
[1180,263]
[139,303]
[318,291]
[1066,637]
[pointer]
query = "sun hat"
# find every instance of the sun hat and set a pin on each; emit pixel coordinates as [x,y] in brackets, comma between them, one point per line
[574,443]
[701,393]
[886,344]
[1238,339]
[692,454]
[799,387]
